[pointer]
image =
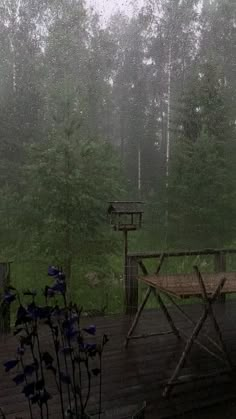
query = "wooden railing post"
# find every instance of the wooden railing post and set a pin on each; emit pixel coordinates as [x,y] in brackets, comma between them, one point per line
[131,286]
[4,310]
[220,266]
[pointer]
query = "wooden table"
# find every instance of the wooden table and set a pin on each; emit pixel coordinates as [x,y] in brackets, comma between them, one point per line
[208,286]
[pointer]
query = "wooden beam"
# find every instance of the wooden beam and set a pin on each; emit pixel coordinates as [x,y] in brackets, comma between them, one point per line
[138,314]
[4,310]
[158,254]
[131,286]
[220,266]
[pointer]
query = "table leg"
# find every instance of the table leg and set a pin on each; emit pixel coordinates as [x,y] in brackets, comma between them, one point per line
[166,313]
[138,314]
[185,353]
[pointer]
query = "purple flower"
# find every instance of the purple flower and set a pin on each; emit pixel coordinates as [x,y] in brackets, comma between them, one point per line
[53,271]
[70,332]
[22,316]
[91,330]
[40,384]
[10,364]
[65,378]
[61,276]
[29,389]
[44,312]
[32,310]
[19,379]
[8,297]
[44,397]
[47,358]
[88,347]
[29,369]
[67,350]
[96,371]
[34,398]
[59,286]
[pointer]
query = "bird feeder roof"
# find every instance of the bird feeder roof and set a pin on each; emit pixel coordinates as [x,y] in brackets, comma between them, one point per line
[125,207]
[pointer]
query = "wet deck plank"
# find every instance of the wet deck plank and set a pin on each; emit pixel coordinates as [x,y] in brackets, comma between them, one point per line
[138,373]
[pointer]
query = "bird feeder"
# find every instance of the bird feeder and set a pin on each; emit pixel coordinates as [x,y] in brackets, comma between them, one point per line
[125,216]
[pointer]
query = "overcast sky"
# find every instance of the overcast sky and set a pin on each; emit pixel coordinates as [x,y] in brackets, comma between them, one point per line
[108,7]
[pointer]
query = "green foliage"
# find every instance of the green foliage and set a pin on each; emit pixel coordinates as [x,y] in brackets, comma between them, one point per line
[67,186]
[201,188]
[86,114]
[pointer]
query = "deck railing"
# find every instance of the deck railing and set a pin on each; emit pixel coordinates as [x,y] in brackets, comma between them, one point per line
[4,310]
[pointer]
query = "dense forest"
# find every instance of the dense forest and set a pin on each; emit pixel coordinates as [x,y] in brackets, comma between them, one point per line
[143,107]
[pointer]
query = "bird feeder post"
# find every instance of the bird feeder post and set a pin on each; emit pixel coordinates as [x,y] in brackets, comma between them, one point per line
[127,216]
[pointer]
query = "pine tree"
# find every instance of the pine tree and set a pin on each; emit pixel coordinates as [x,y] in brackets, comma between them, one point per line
[201,194]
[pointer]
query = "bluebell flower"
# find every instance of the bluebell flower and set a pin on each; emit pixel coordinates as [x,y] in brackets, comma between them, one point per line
[89,347]
[32,311]
[8,297]
[44,312]
[50,292]
[70,332]
[68,323]
[53,271]
[39,384]
[67,350]
[44,397]
[19,379]
[34,398]
[61,276]
[47,358]
[65,378]
[22,316]
[29,369]
[96,371]
[91,330]
[29,389]
[59,287]
[10,364]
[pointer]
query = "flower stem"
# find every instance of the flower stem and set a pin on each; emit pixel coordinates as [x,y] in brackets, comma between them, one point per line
[89,384]
[26,382]
[67,373]
[100,386]
[41,365]
[59,370]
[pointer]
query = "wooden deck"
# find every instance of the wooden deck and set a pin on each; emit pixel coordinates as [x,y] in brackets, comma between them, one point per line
[138,373]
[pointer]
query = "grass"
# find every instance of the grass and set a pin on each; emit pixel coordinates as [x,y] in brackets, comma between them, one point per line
[97,280]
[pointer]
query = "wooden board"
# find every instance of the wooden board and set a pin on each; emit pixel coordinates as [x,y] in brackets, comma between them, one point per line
[187,285]
[138,374]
